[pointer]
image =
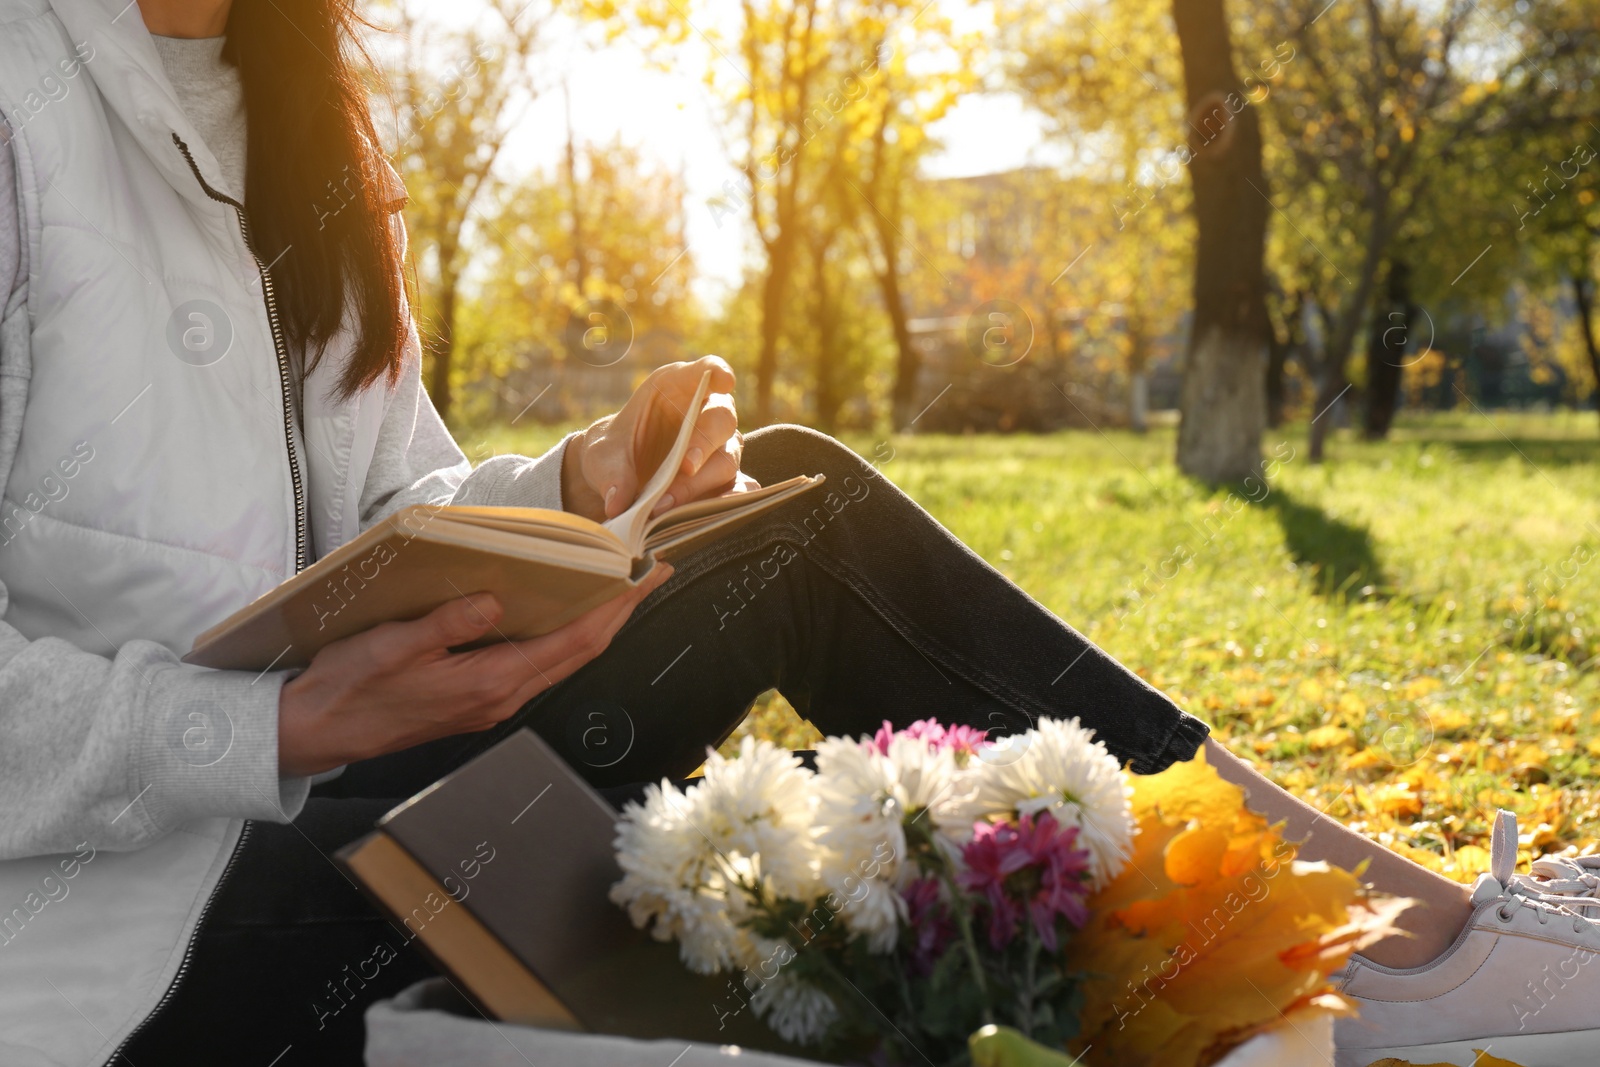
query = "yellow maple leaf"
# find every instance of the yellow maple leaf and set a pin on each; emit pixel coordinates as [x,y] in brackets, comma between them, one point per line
[1467,863]
[1367,757]
[1396,799]
[1325,737]
[1214,931]
[1417,688]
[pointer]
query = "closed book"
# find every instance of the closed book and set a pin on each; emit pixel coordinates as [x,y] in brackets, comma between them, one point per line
[502,872]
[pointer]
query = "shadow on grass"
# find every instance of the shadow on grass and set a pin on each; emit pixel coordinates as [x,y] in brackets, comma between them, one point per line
[1341,555]
[1540,451]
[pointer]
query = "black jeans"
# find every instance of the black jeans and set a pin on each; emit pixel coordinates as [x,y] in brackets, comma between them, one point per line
[851,601]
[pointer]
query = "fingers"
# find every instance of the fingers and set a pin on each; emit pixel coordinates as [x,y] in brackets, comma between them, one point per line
[608,467]
[397,685]
[714,477]
[711,464]
[457,622]
[722,379]
[572,647]
[675,384]
[717,423]
[620,458]
[599,627]
[589,634]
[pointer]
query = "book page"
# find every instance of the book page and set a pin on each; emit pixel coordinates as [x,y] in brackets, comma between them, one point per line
[712,506]
[668,540]
[631,525]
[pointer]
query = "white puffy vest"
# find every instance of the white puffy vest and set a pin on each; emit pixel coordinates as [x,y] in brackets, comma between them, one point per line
[154,467]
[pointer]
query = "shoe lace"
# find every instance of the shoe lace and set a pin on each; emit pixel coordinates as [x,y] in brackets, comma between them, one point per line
[1576,879]
[1559,885]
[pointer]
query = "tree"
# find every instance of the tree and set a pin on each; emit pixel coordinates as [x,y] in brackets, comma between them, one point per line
[1566,251]
[770,73]
[547,286]
[898,105]
[1122,239]
[1557,208]
[456,97]
[806,84]
[1387,333]
[1287,311]
[1383,103]
[1223,406]
[1109,74]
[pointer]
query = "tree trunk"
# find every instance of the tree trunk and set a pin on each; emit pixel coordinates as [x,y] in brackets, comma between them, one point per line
[1387,335]
[1223,402]
[1292,339]
[1336,350]
[908,361]
[827,353]
[774,291]
[1277,356]
[1138,380]
[1583,295]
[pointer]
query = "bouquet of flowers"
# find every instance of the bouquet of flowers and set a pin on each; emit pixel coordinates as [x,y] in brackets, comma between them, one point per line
[927,895]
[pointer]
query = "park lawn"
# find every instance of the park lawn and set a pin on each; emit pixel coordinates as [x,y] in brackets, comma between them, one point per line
[1407,635]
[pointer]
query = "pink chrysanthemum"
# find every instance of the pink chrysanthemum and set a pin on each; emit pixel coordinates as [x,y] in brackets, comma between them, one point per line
[963,739]
[1032,867]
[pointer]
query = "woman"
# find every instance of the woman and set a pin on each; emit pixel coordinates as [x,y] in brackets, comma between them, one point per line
[209,378]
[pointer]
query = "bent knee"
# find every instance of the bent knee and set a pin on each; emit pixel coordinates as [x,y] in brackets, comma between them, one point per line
[773,453]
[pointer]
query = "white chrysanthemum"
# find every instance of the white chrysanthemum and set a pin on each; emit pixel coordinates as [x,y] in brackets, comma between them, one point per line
[675,883]
[874,910]
[1059,767]
[796,1011]
[690,860]
[865,799]
[865,796]
[758,807]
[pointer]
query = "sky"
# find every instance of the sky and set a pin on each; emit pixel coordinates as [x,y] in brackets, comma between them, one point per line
[617,91]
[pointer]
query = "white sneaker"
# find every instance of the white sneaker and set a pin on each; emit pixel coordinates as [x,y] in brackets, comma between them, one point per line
[1521,982]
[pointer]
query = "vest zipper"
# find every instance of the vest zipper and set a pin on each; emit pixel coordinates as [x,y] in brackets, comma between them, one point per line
[188,953]
[281,346]
[285,384]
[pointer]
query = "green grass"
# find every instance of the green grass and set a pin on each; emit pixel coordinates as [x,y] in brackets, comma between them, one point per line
[1407,634]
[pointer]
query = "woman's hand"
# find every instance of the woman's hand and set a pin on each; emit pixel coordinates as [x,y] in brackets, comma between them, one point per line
[606,465]
[398,684]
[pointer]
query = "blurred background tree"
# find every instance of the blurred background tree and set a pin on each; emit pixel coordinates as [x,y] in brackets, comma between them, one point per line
[454,96]
[581,266]
[1234,213]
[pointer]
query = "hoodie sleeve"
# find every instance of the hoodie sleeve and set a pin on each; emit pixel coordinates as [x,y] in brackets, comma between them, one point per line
[116,751]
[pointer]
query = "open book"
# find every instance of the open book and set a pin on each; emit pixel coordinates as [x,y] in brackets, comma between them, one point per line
[546,567]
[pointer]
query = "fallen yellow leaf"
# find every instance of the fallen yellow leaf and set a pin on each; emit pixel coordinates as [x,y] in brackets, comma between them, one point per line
[1419,687]
[1468,862]
[1397,799]
[1325,737]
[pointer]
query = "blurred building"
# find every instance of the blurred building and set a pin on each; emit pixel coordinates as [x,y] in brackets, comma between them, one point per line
[1037,358]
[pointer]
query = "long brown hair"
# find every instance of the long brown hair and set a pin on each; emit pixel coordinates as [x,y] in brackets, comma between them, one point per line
[315,185]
